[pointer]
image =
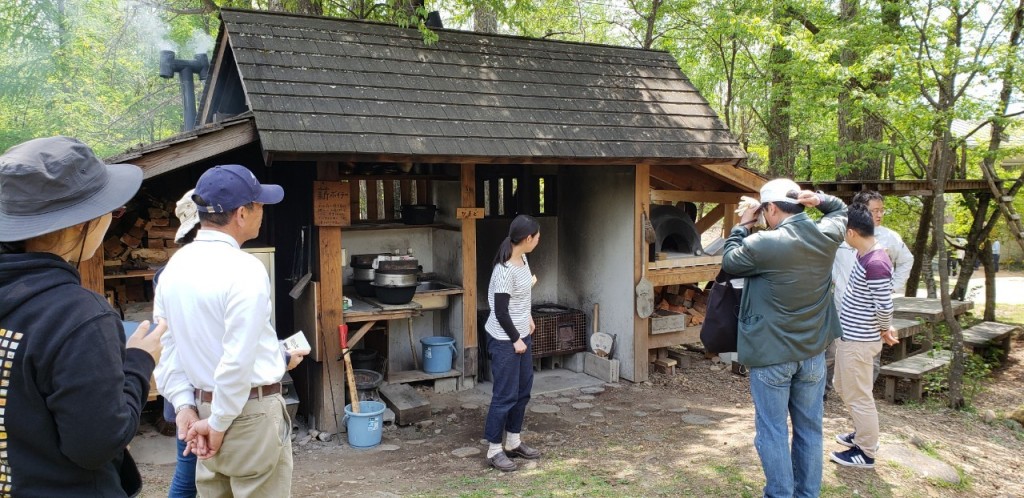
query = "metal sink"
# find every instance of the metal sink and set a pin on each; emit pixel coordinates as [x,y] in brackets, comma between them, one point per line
[433,294]
[434,285]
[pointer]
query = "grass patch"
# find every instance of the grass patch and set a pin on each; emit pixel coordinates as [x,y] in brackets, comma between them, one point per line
[736,481]
[1007,313]
[963,486]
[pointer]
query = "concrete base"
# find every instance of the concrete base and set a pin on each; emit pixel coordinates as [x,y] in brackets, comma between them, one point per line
[551,381]
[574,362]
[445,386]
[602,368]
[151,447]
[467,383]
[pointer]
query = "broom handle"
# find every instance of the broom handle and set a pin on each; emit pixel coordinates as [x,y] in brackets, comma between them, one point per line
[353,394]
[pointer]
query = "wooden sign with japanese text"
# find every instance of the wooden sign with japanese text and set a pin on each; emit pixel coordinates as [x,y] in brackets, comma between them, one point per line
[331,204]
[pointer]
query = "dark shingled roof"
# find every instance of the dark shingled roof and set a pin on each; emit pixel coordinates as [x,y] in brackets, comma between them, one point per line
[325,85]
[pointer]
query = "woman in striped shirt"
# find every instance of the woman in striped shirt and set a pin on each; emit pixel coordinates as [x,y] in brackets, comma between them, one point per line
[509,328]
[866,316]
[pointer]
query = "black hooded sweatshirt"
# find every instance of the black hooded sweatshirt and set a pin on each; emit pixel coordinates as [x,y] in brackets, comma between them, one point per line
[70,394]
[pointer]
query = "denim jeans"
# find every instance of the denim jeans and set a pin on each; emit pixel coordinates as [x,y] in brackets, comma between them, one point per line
[512,375]
[183,484]
[783,391]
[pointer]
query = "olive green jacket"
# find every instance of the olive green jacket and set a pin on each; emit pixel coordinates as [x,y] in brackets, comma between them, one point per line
[787,312]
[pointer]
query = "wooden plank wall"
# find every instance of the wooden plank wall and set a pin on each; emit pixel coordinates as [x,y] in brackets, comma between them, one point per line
[377,200]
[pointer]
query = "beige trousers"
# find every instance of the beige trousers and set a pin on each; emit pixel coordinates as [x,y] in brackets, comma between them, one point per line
[854,382]
[255,459]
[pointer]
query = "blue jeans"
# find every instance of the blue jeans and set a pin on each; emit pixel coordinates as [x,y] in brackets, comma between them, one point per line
[789,390]
[512,375]
[183,485]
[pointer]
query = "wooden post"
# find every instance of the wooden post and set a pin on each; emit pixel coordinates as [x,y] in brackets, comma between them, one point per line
[469,333]
[728,218]
[641,326]
[332,378]
[92,272]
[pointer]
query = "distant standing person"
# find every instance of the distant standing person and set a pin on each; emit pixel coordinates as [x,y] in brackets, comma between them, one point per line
[787,318]
[224,366]
[995,255]
[72,388]
[510,344]
[898,252]
[866,317]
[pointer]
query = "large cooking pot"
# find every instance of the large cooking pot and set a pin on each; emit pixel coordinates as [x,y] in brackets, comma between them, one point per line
[418,214]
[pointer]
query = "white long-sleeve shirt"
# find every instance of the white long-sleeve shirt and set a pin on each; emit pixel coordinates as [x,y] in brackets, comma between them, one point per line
[216,300]
[900,255]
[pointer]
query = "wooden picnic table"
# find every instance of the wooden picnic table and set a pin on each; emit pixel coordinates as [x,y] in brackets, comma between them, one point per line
[928,311]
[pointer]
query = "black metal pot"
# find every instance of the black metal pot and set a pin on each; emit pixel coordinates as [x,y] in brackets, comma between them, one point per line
[394,295]
[418,214]
[364,288]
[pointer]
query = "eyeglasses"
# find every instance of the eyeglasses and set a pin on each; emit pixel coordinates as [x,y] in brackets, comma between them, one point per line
[119,212]
[877,211]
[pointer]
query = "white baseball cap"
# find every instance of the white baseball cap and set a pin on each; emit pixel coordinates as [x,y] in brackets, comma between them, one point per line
[780,190]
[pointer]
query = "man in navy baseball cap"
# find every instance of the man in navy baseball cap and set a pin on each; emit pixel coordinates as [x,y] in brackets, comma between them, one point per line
[225,188]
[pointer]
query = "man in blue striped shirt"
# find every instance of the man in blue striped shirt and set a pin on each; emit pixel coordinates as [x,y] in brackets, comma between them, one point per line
[866,316]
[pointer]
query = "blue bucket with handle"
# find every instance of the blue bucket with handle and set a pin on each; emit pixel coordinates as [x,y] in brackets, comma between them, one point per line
[366,427]
[438,354]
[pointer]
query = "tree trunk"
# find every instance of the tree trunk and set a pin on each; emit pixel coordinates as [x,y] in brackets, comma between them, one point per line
[921,246]
[485,20]
[990,283]
[780,143]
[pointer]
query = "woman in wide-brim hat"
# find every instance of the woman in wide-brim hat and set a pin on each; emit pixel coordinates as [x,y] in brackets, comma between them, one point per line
[71,388]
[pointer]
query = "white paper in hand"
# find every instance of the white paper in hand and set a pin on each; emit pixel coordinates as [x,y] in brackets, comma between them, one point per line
[297,342]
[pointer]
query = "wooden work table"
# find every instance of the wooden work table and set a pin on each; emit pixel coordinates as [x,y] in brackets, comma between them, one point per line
[369,311]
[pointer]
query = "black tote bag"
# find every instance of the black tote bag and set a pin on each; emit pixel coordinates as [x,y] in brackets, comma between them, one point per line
[720,323]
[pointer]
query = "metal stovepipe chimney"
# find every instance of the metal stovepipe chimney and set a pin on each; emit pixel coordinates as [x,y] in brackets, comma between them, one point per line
[200,66]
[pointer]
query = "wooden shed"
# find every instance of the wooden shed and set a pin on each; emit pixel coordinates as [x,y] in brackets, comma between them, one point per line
[356,119]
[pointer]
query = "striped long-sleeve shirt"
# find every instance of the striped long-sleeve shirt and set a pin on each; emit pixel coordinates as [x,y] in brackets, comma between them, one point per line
[867,304]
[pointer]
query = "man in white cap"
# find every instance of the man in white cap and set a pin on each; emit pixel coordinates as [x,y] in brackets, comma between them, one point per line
[223,373]
[787,318]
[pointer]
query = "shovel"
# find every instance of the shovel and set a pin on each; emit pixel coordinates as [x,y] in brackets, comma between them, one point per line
[306,257]
[644,288]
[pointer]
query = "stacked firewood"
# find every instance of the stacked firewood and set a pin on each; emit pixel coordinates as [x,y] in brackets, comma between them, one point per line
[686,299]
[143,239]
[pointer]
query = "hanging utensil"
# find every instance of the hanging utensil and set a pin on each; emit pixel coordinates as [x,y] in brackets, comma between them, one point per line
[644,288]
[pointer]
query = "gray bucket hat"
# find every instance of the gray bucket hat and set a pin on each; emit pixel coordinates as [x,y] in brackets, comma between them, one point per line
[49,184]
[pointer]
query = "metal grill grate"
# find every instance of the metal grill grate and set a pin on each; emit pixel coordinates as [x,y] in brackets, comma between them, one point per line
[560,330]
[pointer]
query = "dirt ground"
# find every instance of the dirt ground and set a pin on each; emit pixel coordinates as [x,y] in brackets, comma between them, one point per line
[685,435]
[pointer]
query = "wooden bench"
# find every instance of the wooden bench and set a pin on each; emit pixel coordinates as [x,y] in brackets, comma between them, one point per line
[991,334]
[914,369]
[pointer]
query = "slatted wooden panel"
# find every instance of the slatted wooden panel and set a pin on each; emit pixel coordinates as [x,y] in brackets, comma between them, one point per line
[381,200]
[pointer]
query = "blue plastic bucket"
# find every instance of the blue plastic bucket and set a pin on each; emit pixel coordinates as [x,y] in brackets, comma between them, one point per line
[438,353]
[365,428]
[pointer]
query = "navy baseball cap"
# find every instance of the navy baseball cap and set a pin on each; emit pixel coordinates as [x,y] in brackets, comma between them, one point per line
[228,187]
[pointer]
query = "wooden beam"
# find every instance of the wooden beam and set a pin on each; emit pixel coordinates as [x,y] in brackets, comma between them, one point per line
[746,180]
[197,148]
[695,196]
[708,220]
[212,77]
[687,275]
[641,326]
[686,178]
[469,270]
[331,315]
[688,335]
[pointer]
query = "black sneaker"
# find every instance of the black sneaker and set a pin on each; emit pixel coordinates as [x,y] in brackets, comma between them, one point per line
[853,457]
[846,439]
